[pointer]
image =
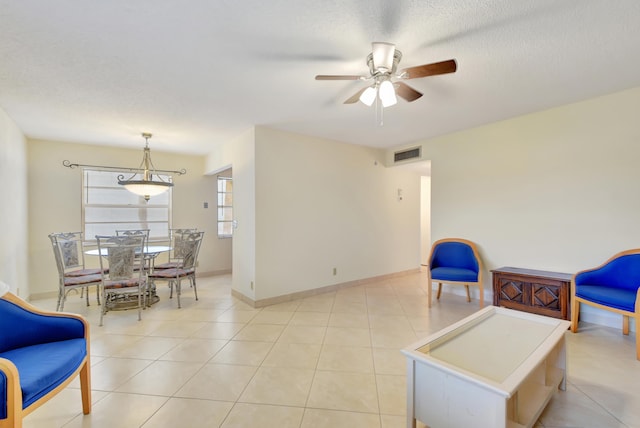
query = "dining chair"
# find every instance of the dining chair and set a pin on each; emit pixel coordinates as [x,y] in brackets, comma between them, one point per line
[191,247]
[613,286]
[141,258]
[176,255]
[120,280]
[68,249]
[455,261]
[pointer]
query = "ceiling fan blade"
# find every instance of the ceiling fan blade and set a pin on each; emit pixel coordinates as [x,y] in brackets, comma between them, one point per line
[406,91]
[337,77]
[433,69]
[355,97]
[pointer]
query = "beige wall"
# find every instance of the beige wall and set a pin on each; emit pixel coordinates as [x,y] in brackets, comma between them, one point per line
[306,205]
[556,190]
[240,154]
[322,205]
[54,194]
[13,207]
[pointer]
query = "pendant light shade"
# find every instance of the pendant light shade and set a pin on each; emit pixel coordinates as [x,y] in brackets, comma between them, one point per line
[147,186]
[384,90]
[387,94]
[369,96]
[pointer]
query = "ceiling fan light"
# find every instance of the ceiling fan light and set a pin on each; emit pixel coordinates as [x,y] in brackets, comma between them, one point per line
[383,55]
[387,94]
[368,96]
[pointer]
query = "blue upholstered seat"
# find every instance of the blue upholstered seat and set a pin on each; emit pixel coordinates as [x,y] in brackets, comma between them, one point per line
[454,274]
[45,366]
[455,261]
[614,286]
[619,298]
[40,353]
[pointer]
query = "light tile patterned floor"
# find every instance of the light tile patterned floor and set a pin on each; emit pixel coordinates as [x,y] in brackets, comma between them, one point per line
[330,360]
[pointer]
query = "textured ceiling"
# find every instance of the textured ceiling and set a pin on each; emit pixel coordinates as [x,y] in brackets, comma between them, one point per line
[200,72]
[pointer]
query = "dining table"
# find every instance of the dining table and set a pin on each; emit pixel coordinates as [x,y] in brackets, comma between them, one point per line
[150,251]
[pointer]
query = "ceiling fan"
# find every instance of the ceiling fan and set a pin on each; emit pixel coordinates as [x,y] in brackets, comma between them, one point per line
[383,63]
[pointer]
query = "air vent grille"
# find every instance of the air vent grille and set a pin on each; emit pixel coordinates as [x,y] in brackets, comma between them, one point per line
[406,154]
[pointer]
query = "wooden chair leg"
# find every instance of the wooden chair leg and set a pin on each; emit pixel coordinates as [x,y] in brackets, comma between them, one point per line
[575,314]
[637,340]
[466,286]
[439,291]
[625,325]
[481,289]
[85,387]
[429,291]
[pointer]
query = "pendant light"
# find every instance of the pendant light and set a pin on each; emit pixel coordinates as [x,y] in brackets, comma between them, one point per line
[147,186]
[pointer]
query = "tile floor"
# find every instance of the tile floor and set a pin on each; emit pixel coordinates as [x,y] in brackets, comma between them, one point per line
[330,360]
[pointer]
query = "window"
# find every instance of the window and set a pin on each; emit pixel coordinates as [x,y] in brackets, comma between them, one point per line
[108,206]
[225,207]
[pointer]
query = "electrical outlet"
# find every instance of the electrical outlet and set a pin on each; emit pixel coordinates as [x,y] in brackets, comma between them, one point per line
[335,271]
[252,285]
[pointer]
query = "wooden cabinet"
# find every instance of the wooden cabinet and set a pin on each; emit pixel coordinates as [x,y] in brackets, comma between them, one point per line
[536,291]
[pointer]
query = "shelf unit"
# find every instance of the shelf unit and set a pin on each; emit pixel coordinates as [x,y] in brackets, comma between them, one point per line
[498,367]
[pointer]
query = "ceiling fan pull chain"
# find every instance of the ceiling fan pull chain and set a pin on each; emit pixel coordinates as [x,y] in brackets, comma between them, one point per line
[379,112]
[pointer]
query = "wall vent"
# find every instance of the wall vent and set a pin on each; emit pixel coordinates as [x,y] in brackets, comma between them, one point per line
[407,154]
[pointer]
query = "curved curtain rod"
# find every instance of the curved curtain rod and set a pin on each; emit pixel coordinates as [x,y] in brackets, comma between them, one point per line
[75,165]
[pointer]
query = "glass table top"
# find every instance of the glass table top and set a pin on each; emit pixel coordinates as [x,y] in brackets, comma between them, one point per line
[493,346]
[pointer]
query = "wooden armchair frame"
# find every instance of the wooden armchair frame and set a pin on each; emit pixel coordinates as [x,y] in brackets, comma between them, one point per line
[626,315]
[466,284]
[15,410]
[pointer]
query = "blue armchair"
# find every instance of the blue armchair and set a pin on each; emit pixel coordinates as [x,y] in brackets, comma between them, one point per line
[455,261]
[40,353]
[613,286]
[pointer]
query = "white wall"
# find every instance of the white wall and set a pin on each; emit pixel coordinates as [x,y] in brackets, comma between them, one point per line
[322,204]
[54,194]
[13,207]
[557,190]
[240,155]
[306,205]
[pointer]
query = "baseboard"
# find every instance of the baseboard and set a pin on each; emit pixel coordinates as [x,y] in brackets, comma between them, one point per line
[213,273]
[46,295]
[458,290]
[588,313]
[605,318]
[53,294]
[316,291]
